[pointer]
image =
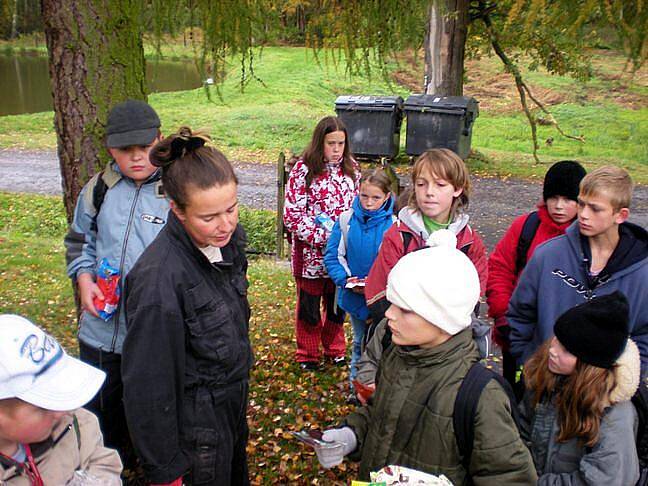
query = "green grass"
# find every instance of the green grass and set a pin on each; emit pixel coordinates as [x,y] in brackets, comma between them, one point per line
[38,216]
[282,398]
[255,125]
[613,136]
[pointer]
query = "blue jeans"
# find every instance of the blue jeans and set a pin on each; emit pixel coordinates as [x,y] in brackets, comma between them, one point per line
[359,329]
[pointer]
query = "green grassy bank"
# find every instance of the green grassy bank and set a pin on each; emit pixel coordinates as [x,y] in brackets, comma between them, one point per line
[609,111]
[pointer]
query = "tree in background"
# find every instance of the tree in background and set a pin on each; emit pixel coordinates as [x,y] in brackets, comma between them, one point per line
[554,34]
[630,22]
[96,60]
[444,46]
[19,17]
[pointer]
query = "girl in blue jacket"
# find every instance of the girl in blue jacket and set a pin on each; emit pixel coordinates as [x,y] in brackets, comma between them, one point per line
[353,247]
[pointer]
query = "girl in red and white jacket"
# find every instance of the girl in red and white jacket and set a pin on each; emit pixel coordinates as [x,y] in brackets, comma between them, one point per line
[554,214]
[321,185]
[439,199]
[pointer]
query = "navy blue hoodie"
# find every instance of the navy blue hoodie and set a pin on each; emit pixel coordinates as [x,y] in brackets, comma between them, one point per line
[557,278]
[354,257]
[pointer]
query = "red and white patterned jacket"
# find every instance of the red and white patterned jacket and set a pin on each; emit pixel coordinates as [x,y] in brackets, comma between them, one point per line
[332,192]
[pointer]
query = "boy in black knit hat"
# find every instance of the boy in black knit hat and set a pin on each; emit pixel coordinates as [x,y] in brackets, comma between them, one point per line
[599,254]
[555,213]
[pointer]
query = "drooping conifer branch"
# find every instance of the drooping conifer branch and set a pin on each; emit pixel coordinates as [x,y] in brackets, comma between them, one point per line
[522,88]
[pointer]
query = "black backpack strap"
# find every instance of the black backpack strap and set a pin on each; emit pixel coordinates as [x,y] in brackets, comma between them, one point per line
[640,401]
[529,230]
[99,193]
[465,407]
[407,239]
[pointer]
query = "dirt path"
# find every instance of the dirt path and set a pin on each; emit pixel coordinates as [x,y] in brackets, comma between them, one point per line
[494,202]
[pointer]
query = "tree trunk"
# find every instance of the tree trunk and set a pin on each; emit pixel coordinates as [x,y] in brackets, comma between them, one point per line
[445,43]
[14,22]
[96,60]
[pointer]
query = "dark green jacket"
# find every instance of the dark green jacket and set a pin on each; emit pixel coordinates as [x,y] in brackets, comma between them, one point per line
[409,422]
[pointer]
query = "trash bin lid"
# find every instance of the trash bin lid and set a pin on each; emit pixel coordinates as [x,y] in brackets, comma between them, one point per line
[362,102]
[426,102]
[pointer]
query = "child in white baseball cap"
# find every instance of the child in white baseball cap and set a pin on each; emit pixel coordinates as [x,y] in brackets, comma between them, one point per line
[45,437]
[409,420]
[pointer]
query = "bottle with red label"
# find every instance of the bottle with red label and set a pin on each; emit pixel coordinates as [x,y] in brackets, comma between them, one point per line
[108,283]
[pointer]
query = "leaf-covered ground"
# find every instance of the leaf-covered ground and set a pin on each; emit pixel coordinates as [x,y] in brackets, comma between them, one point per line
[282,397]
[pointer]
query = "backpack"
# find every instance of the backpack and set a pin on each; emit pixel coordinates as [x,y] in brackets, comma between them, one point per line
[94,196]
[465,407]
[529,230]
[98,195]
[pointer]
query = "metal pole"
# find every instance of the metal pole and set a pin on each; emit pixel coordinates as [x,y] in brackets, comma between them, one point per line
[281,185]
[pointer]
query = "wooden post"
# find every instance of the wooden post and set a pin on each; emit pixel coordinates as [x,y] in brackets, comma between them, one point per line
[281,185]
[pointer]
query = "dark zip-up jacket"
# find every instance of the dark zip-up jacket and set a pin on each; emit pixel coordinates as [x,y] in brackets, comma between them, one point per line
[557,279]
[187,330]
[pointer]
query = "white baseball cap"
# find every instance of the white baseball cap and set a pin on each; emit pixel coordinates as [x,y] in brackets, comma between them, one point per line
[35,369]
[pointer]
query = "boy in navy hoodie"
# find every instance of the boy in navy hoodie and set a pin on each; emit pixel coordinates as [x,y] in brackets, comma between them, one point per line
[600,253]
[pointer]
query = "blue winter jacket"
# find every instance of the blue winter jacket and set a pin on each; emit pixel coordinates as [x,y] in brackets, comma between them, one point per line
[557,279]
[366,230]
[129,219]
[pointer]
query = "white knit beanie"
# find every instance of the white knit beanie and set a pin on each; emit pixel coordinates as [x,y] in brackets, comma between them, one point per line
[439,283]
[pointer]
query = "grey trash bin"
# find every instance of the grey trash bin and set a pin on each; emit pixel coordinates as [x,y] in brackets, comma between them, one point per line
[440,122]
[373,123]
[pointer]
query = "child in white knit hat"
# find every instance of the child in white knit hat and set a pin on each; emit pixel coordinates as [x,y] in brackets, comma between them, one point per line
[409,421]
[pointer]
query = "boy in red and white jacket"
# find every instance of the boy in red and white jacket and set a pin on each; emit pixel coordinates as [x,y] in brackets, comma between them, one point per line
[554,214]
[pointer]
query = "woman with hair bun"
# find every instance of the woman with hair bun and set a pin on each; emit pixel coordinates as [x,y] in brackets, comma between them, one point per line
[187,354]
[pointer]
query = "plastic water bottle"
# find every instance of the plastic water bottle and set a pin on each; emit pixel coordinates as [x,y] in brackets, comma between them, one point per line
[325,221]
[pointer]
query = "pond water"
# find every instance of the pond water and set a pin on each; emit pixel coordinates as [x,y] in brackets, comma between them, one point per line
[25,85]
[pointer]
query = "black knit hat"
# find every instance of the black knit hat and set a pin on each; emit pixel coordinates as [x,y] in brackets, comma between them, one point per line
[563,179]
[595,332]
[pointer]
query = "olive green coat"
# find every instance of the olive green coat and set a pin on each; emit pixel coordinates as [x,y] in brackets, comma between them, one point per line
[409,421]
